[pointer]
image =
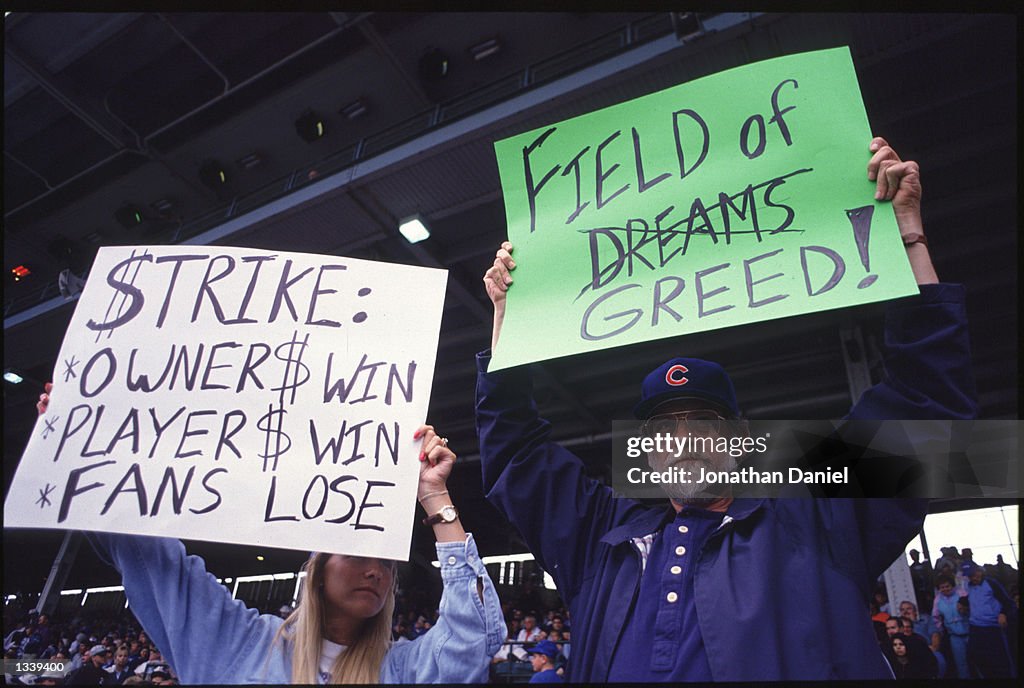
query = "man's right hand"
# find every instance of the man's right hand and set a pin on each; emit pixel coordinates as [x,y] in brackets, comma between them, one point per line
[497,280]
[44,398]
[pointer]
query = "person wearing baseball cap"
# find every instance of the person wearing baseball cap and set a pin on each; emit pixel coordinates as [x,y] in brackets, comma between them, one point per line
[542,657]
[709,587]
[91,672]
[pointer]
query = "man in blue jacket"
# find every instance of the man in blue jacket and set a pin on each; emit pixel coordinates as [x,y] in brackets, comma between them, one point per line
[711,587]
[991,610]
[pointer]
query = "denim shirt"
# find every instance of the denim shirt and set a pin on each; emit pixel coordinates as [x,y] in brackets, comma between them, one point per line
[208,637]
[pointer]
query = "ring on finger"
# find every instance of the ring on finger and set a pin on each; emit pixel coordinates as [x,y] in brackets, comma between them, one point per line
[444,441]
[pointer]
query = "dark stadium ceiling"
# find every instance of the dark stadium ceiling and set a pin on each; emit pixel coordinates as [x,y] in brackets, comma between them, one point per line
[103,111]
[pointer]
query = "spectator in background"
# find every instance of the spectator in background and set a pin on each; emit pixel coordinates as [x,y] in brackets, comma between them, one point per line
[542,657]
[154,658]
[922,625]
[879,618]
[941,664]
[80,658]
[529,633]
[948,562]
[75,646]
[966,562]
[91,673]
[159,673]
[905,660]
[922,576]
[1002,572]
[504,654]
[53,677]
[919,648]
[119,670]
[882,600]
[893,628]
[991,608]
[952,624]
[141,659]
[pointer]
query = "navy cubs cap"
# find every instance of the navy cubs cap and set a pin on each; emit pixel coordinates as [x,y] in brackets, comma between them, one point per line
[544,647]
[682,378]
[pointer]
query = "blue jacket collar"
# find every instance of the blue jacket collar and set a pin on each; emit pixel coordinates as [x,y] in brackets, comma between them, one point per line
[654,519]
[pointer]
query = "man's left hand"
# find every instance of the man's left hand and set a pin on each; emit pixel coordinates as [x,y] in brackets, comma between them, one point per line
[898,181]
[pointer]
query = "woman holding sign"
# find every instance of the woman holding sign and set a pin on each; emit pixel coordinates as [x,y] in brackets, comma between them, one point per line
[341,630]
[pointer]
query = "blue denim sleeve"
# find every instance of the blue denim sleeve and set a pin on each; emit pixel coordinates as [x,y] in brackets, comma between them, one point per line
[468,632]
[204,634]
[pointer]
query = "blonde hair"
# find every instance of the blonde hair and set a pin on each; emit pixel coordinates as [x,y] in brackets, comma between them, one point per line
[361,661]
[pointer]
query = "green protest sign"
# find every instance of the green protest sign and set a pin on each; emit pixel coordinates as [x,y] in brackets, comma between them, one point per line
[739,197]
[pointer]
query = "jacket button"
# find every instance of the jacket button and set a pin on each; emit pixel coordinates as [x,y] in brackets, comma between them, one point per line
[451,560]
[684,529]
[680,550]
[671,597]
[676,570]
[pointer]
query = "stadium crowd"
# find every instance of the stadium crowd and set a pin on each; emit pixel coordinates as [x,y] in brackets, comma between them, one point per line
[963,623]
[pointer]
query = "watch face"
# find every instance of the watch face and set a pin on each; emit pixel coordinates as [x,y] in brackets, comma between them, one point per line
[449,514]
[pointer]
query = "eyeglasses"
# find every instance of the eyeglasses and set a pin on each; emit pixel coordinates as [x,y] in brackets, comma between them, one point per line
[700,422]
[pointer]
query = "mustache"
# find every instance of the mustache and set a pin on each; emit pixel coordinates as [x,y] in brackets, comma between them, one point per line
[688,456]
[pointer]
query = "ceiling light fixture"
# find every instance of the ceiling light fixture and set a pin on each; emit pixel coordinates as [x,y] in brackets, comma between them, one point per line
[250,161]
[310,126]
[413,229]
[213,174]
[129,216]
[433,65]
[162,206]
[687,25]
[485,49]
[356,108]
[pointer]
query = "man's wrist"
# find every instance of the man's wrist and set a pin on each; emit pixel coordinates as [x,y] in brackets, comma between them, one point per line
[912,238]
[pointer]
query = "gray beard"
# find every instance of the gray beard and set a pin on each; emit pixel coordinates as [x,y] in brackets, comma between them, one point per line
[697,494]
[695,501]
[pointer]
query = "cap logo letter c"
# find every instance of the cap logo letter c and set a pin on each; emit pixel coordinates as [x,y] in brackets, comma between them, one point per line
[675,380]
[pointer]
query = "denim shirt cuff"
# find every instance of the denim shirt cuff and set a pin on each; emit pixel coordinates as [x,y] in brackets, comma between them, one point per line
[460,560]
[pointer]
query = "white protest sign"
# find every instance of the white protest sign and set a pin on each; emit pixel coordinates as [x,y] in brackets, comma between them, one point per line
[238,395]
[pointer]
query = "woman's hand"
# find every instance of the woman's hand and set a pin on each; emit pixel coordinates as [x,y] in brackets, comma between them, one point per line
[44,398]
[436,461]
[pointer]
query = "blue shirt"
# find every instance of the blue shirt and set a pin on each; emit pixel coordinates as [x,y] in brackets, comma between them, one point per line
[662,639]
[987,602]
[925,626]
[208,637]
[546,676]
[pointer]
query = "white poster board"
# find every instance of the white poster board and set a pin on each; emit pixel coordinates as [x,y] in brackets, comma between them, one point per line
[238,395]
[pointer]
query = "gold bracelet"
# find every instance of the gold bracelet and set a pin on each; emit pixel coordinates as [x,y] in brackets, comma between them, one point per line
[433,494]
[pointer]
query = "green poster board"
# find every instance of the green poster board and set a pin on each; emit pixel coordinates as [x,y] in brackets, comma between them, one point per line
[739,197]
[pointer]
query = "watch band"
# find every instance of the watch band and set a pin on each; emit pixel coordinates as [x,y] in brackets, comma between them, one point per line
[911,238]
[447,514]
